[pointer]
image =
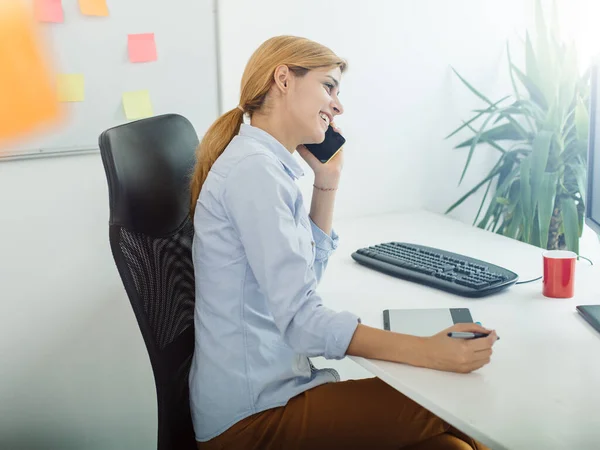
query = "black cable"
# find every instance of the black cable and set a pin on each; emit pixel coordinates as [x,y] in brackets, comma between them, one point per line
[539,278]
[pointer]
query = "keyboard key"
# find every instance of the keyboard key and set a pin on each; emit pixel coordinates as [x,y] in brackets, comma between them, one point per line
[422,269]
[388,259]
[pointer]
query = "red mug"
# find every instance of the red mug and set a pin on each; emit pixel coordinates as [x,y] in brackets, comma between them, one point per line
[559,273]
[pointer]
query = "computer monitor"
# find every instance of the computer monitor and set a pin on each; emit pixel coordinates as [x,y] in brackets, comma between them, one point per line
[592,201]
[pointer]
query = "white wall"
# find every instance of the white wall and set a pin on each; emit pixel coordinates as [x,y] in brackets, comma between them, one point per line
[74,373]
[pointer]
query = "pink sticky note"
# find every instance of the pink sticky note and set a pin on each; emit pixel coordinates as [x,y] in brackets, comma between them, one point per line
[142,47]
[49,11]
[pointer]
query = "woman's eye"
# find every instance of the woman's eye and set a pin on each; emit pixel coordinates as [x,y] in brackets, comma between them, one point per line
[328,87]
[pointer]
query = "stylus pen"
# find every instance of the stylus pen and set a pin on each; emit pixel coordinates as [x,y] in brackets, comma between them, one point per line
[466,335]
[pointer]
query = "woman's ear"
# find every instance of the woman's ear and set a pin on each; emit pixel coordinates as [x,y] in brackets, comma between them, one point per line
[281,77]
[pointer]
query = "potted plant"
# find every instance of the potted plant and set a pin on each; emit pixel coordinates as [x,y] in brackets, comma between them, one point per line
[536,191]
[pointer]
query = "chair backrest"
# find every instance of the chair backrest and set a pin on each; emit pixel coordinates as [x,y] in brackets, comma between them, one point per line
[147,165]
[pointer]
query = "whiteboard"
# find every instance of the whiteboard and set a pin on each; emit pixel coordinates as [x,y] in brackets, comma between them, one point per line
[183,80]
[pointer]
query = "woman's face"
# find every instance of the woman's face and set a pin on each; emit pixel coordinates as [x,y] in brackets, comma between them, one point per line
[313,103]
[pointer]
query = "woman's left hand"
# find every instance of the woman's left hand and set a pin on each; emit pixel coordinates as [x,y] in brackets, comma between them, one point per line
[327,174]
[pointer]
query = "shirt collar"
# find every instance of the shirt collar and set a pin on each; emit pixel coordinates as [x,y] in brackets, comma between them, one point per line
[282,153]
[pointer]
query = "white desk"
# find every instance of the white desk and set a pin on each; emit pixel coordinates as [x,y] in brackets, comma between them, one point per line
[542,387]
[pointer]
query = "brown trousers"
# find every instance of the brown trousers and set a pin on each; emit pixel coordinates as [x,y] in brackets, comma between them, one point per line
[355,414]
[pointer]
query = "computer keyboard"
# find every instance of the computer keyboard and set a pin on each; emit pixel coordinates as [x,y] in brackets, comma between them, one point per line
[452,272]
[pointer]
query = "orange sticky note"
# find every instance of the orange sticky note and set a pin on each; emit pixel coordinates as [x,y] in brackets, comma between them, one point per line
[27,93]
[142,47]
[93,7]
[137,105]
[49,11]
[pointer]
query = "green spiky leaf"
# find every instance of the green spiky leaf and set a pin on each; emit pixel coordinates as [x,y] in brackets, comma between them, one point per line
[504,132]
[570,223]
[546,205]
[539,160]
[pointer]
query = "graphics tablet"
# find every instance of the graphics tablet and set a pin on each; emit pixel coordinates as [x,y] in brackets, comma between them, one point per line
[424,322]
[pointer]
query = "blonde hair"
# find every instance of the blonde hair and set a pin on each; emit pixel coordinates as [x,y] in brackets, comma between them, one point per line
[299,54]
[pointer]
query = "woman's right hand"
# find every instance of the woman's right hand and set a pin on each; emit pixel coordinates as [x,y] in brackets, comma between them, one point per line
[459,355]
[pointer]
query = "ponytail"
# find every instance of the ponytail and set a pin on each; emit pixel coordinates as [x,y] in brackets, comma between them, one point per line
[216,139]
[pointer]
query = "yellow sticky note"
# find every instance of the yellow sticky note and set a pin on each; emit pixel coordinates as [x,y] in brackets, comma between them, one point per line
[137,105]
[93,7]
[71,87]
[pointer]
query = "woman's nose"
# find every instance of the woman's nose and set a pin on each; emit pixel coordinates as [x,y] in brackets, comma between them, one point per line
[338,108]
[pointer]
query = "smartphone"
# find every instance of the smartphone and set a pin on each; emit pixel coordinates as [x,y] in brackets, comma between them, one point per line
[329,147]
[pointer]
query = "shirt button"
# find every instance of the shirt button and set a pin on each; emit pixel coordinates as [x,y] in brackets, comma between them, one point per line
[312,243]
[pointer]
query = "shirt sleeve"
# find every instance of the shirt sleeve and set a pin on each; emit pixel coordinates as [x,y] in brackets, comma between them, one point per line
[325,245]
[259,198]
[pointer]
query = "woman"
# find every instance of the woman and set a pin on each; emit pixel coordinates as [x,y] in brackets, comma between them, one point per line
[258,258]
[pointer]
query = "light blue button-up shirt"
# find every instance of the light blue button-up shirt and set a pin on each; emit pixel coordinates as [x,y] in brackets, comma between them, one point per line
[258,258]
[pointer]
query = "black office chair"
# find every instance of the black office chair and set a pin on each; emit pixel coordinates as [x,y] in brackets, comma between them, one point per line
[147,165]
